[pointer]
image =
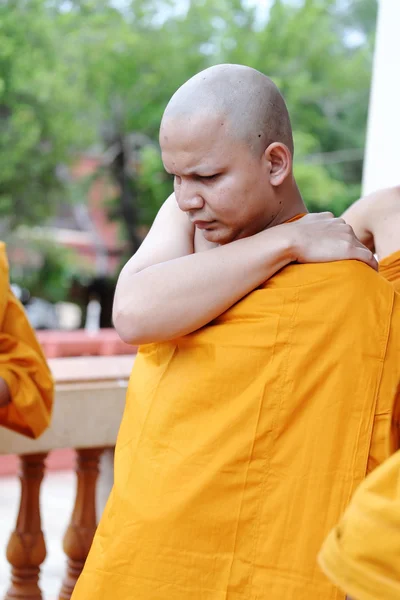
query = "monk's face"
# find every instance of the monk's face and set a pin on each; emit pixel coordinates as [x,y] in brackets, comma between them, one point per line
[222,185]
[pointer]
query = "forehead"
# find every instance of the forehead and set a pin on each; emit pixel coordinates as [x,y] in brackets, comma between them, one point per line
[200,137]
[186,129]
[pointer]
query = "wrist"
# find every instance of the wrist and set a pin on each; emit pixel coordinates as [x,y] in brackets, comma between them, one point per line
[286,243]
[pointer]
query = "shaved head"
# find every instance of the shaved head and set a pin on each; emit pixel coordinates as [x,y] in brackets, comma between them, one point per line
[248,103]
[226,138]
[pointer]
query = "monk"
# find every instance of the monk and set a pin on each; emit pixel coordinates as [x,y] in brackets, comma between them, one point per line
[26,385]
[375,220]
[256,403]
[362,553]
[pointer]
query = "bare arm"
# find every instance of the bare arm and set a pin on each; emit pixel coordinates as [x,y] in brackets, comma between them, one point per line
[166,290]
[375,220]
[357,216]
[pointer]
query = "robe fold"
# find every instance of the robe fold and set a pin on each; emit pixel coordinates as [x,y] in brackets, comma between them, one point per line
[362,554]
[22,365]
[389,268]
[242,443]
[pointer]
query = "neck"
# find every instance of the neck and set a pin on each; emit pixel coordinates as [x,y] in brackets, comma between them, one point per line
[292,205]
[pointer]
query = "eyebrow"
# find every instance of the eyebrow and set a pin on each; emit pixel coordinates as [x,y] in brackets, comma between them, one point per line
[195,171]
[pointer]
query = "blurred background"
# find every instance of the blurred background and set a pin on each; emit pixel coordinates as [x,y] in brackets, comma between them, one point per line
[83,84]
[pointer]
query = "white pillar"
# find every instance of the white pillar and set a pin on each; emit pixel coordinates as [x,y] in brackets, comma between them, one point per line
[382,153]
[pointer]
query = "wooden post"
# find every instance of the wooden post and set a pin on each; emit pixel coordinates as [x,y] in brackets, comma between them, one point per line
[26,549]
[79,535]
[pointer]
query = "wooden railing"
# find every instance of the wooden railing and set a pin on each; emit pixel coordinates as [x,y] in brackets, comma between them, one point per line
[89,402]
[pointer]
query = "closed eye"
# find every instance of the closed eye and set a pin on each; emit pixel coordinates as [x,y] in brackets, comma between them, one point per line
[209,177]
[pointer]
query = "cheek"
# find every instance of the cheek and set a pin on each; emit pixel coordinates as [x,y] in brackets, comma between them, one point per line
[229,199]
[256,197]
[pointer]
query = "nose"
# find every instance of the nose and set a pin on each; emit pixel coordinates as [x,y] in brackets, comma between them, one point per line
[188,196]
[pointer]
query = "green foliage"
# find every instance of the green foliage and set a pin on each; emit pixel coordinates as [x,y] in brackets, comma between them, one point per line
[53,277]
[97,72]
[40,111]
[155,184]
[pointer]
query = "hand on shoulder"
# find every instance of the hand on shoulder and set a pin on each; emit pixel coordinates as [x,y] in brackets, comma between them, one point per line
[320,237]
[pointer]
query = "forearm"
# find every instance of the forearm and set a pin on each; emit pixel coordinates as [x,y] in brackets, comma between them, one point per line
[4,393]
[173,298]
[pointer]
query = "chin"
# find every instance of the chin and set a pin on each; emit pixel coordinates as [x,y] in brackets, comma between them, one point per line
[218,237]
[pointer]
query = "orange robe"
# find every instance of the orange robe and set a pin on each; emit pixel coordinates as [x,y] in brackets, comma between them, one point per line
[22,365]
[242,443]
[389,268]
[362,554]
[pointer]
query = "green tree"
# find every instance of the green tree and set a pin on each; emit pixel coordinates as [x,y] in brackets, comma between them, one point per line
[111,77]
[41,112]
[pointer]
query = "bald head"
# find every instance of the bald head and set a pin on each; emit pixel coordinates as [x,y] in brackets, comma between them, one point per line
[247,101]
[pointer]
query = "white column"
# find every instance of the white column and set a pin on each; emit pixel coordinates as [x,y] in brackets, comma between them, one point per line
[382,153]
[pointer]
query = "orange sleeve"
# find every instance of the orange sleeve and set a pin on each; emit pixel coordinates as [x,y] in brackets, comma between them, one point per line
[361,555]
[22,366]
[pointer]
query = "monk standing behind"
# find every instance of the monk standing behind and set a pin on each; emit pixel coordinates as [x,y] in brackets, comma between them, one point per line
[362,554]
[26,385]
[376,222]
[255,407]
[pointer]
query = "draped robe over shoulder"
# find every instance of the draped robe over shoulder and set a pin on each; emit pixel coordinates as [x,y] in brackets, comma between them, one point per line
[22,365]
[242,443]
[389,268]
[362,554]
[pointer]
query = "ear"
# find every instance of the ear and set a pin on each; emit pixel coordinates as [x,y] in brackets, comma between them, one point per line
[280,161]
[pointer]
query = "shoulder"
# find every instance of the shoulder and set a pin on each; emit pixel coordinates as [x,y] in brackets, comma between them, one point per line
[380,205]
[367,215]
[377,205]
[348,276]
[384,196]
[361,292]
[373,203]
[356,274]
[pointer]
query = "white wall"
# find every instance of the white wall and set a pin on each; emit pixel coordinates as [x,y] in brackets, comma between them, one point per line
[382,154]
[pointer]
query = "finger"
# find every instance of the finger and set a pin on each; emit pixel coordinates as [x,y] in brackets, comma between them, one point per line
[325,215]
[374,263]
[348,228]
[366,256]
[320,216]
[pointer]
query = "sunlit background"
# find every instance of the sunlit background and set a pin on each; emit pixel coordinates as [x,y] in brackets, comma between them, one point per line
[83,84]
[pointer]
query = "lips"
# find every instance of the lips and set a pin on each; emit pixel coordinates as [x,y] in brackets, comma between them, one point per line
[202,224]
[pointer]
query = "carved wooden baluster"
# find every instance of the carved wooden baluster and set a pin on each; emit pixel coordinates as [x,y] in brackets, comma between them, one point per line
[26,549]
[79,535]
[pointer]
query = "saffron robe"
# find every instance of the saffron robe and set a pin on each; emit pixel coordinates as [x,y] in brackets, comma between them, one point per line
[362,554]
[389,267]
[242,443]
[22,365]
